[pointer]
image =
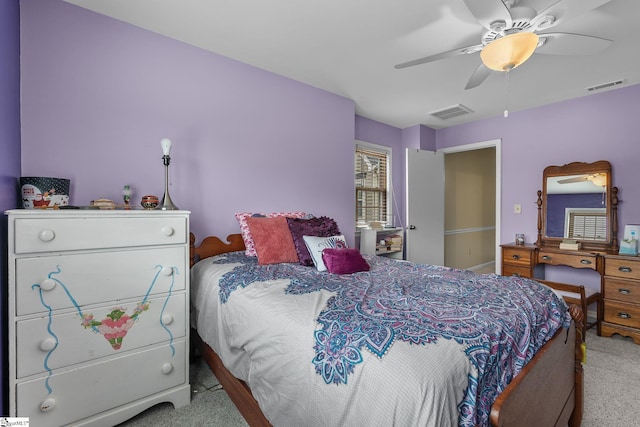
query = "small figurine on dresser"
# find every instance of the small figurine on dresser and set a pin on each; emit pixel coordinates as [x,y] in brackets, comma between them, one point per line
[126,194]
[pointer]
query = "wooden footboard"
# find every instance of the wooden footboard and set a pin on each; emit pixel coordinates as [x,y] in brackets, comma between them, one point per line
[547,392]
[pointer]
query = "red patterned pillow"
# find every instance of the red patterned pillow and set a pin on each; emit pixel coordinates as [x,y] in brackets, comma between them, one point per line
[272,239]
[250,249]
[344,261]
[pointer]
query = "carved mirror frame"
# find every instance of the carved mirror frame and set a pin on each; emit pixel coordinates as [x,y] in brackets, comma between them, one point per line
[610,199]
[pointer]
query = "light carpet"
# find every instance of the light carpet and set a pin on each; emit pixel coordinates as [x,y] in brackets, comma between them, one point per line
[612,375]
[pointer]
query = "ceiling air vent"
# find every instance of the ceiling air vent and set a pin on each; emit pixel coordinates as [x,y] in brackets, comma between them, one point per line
[451,112]
[605,85]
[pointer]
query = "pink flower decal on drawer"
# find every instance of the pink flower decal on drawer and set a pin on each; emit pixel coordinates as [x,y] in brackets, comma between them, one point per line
[115,325]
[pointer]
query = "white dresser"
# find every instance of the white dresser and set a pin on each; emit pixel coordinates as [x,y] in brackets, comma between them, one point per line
[98,314]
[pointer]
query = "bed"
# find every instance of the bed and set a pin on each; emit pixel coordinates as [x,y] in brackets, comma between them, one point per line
[293,381]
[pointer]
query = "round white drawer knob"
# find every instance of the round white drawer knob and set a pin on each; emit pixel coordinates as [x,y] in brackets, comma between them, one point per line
[46,235]
[47,284]
[167,271]
[47,344]
[167,231]
[167,319]
[48,405]
[167,368]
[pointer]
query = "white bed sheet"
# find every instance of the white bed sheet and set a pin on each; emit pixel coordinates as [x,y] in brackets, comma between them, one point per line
[266,338]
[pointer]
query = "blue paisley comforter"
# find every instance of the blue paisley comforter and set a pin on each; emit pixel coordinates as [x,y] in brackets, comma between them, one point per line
[316,333]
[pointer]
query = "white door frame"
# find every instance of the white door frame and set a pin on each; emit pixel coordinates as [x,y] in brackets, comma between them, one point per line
[497,143]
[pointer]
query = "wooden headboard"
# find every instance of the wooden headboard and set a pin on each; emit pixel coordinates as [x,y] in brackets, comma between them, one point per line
[212,245]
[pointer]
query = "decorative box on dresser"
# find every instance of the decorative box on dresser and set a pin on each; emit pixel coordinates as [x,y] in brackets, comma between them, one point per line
[98,314]
[621,282]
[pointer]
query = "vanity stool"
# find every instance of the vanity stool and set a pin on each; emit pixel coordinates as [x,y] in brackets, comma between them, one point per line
[583,297]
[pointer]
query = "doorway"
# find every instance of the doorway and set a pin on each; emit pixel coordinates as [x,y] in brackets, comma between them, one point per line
[472,206]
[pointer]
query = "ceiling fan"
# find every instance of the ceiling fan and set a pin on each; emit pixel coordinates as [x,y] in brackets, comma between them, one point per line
[512,23]
[599,179]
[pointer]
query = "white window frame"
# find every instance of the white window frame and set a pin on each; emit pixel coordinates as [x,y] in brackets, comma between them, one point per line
[389,194]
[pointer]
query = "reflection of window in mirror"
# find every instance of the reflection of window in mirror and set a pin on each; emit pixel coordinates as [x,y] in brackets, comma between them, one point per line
[586,224]
[571,194]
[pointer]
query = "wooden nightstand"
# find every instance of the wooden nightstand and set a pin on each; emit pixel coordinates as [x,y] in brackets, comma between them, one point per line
[519,260]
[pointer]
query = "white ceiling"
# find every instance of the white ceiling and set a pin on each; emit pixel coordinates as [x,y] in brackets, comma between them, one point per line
[350,47]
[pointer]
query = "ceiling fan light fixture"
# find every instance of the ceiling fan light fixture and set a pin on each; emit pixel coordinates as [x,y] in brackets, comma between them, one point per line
[600,180]
[508,52]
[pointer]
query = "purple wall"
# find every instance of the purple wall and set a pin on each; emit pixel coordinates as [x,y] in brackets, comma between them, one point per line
[602,126]
[99,95]
[557,204]
[10,157]
[418,137]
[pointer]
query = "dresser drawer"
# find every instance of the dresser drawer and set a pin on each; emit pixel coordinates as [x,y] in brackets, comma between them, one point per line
[80,233]
[516,270]
[70,342]
[71,280]
[622,290]
[622,313]
[91,389]
[517,256]
[572,260]
[621,267]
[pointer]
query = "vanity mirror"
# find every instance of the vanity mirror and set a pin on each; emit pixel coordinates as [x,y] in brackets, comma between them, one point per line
[578,202]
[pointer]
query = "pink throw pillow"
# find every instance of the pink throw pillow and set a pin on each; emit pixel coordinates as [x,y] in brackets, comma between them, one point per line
[250,249]
[272,239]
[344,261]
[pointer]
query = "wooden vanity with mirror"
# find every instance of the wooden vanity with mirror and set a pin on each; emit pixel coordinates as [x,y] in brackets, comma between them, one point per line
[578,228]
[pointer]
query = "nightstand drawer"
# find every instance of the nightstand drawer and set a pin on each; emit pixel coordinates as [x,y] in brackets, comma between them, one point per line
[91,389]
[586,260]
[621,267]
[70,280]
[517,256]
[622,290]
[73,340]
[622,313]
[67,234]
[516,270]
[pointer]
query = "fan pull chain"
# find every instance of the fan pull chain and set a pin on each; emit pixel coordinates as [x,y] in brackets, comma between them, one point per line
[506,93]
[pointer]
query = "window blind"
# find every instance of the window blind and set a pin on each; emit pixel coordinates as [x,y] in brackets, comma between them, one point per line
[371,176]
[588,225]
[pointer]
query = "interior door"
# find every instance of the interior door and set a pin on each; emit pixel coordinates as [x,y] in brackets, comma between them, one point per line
[425,206]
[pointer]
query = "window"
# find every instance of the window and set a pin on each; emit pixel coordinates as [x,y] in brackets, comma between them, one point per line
[372,175]
[587,224]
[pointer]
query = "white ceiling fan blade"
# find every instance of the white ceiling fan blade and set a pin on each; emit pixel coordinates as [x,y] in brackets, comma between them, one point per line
[488,11]
[571,44]
[478,76]
[443,55]
[566,9]
[572,180]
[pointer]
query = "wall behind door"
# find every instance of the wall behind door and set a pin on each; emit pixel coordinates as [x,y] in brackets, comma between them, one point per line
[470,200]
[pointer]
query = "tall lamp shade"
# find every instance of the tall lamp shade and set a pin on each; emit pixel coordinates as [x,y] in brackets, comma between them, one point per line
[506,53]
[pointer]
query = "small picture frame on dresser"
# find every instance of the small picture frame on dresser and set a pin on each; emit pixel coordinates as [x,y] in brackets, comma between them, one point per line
[629,243]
